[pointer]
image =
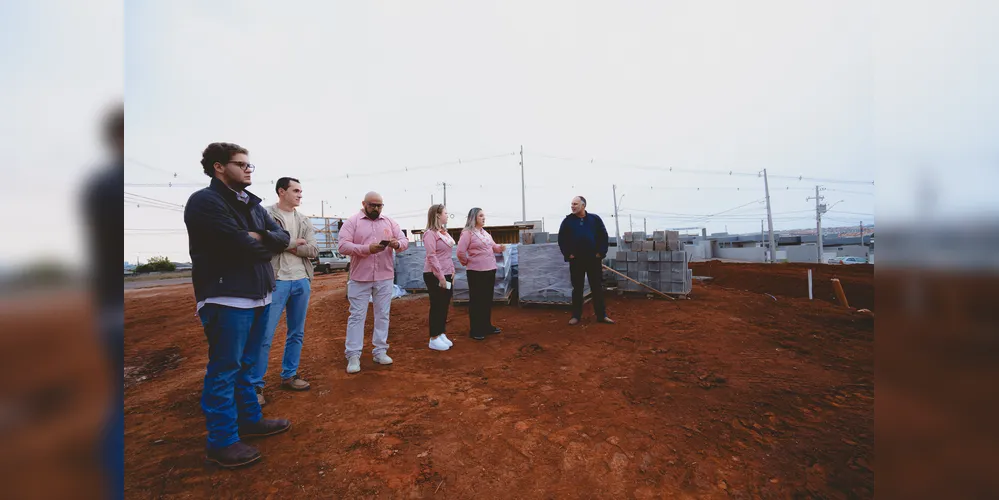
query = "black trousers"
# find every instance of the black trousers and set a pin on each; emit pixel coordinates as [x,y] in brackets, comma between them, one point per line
[440,302]
[480,301]
[580,268]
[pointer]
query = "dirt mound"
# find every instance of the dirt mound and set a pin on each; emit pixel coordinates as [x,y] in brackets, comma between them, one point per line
[791,280]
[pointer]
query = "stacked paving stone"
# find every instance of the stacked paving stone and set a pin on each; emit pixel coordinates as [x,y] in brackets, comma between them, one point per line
[659,262]
[409,268]
[504,276]
[543,275]
[409,272]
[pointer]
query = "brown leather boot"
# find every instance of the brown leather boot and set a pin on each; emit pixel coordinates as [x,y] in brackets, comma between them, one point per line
[264,427]
[295,383]
[235,455]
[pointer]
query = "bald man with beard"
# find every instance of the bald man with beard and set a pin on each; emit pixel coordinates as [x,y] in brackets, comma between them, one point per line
[369,238]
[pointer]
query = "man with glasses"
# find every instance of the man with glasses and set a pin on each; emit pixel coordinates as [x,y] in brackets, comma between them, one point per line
[364,237]
[232,240]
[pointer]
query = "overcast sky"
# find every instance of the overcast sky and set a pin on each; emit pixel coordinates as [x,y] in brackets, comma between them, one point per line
[351,96]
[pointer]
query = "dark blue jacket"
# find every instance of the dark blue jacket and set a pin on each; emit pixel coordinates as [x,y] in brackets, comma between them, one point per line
[582,237]
[227,261]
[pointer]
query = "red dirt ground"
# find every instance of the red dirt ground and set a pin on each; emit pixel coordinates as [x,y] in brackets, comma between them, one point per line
[729,394]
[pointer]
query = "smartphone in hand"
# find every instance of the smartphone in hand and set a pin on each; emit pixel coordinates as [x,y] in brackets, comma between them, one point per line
[384,243]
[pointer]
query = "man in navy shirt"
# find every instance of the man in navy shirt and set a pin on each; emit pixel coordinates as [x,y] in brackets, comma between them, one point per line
[583,241]
[232,240]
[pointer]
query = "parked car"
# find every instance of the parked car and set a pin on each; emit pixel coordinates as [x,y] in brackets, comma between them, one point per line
[329,261]
[854,260]
[835,260]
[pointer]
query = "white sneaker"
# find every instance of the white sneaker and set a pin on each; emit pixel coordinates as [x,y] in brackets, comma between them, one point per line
[447,340]
[383,359]
[353,364]
[439,344]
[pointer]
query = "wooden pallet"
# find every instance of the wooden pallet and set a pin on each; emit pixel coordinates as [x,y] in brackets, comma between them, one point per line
[522,302]
[647,293]
[501,300]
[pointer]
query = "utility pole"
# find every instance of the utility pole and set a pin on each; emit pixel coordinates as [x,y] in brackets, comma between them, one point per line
[523,188]
[770,218]
[631,225]
[645,226]
[617,227]
[820,209]
[322,209]
[862,245]
[445,193]
[763,235]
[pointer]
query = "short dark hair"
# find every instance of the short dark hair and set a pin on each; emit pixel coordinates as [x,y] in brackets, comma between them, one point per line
[283,183]
[582,200]
[114,125]
[219,152]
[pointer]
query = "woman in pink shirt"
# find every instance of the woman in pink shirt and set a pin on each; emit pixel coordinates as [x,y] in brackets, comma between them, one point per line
[438,274]
[477,252]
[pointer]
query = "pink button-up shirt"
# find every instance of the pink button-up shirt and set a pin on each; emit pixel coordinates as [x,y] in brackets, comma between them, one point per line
[438,253]
[357,233]
[477,249]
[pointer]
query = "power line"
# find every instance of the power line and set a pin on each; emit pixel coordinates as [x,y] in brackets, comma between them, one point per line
[146,205]
[851,213]
[136,201]
[848,191]
[693,215]
[750,216]
[151,167]
[163,184]
[139,196]
[410,169]
[730,173]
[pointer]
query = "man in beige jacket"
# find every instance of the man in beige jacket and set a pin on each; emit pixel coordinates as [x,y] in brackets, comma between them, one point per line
[293,273]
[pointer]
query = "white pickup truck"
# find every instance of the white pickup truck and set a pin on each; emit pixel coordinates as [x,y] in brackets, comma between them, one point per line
[329,261]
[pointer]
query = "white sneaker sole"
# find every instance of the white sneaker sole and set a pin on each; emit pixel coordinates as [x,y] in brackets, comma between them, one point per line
[383,363]
[439,348]
[354,370]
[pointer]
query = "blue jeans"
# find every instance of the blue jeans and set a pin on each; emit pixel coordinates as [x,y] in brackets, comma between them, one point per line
[234,337]
[295,296]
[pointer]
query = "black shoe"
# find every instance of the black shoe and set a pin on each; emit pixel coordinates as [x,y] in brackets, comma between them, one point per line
[235,455]
[495,330]
[477,336]
[264,427]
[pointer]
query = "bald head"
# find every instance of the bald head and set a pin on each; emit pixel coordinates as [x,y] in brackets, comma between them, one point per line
[372,205]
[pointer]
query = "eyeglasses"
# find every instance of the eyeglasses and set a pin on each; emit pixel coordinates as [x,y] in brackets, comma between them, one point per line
[374,205]
[247,167]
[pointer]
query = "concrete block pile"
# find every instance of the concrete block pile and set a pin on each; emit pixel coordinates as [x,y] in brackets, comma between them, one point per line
[543,275]
[504,276]
[409,268]
[409,272]
[658,261]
